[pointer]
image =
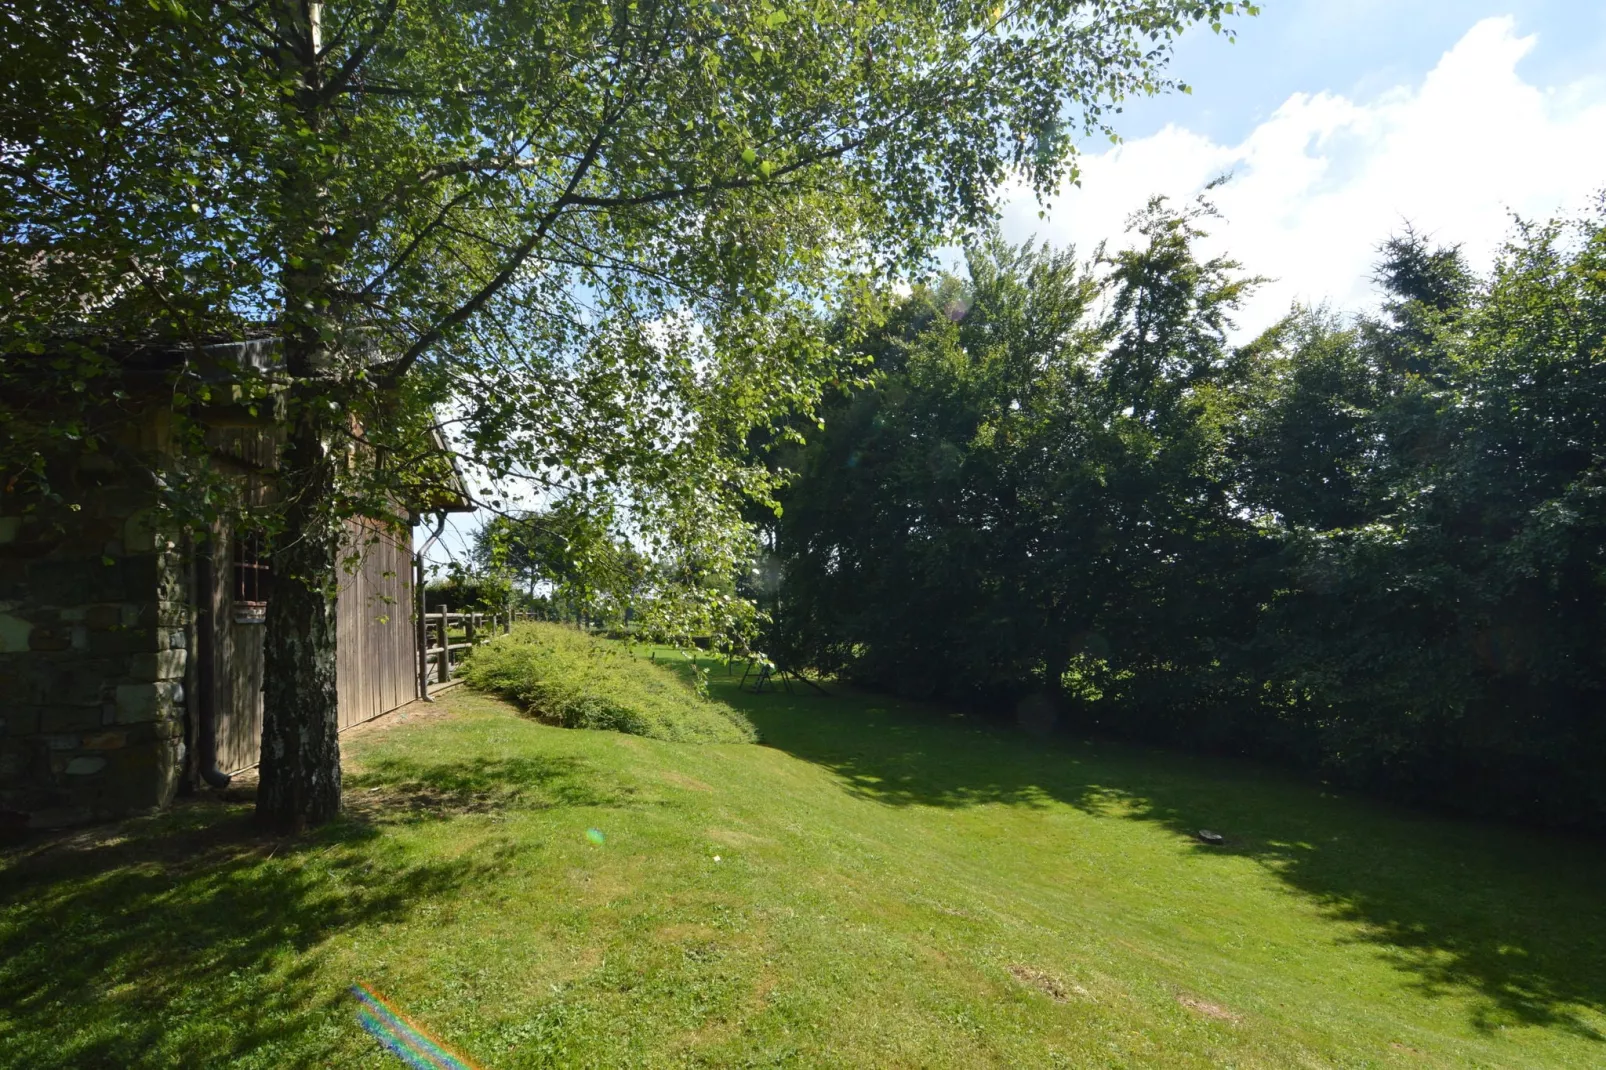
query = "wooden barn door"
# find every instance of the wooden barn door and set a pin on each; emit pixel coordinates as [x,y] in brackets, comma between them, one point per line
[238,610]
[377,662]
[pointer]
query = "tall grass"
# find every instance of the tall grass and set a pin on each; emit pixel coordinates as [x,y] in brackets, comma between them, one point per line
[564,677]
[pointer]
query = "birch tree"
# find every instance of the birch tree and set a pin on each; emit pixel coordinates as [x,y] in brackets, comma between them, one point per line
[593,231]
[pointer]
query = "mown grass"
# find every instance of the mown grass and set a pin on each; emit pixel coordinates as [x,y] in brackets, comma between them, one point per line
[568,678]
[895,886]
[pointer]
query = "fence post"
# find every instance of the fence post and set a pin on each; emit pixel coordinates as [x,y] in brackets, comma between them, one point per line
[446,644]
[469,626]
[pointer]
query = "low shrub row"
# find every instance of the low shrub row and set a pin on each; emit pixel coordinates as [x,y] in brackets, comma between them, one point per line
[565,677]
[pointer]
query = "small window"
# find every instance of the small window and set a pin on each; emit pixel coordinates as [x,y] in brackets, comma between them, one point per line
[253,576]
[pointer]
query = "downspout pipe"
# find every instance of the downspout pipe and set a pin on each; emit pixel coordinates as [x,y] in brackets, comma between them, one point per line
[420,626]
[206,668]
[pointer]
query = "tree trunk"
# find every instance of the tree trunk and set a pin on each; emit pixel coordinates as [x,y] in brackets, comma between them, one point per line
[300,770]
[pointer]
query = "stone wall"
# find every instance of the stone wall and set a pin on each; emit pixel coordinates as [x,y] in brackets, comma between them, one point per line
[95,628]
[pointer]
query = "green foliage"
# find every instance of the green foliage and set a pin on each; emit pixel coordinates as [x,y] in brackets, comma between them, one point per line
[572,558]
[565,677]
[1368,547]
[595,233]
[995,508]
[1448,646]
[466,591]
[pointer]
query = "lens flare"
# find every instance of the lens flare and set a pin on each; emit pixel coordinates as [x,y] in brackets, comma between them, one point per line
[596,836]
[401,1037]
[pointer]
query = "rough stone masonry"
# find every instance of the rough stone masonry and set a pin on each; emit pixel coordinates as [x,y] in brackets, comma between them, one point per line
[95,629]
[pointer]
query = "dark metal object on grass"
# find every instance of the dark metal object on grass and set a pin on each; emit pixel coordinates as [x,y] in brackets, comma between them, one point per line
[769,673]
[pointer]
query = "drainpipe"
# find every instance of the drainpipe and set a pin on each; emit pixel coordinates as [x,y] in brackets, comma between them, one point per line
[205,654]
[421,625]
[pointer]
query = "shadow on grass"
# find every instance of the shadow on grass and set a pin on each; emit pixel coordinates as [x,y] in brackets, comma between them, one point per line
[188,939]
[1515,917]
[407,789]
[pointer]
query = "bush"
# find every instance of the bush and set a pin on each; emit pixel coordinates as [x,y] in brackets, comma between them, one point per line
[468,593]
[564,677]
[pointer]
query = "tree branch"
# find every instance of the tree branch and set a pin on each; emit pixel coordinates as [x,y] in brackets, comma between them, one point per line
[725,185]
[360,54]
[414,245]
[468,308]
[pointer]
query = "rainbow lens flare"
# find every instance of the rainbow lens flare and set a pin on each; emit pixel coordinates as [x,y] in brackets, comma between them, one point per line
[595,836]
[401,1037]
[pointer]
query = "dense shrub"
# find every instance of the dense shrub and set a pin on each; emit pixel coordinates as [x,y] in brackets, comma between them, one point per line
[1375,547]
[565,677]
[468,593]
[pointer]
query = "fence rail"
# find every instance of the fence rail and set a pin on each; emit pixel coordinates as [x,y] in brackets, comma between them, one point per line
[447,634]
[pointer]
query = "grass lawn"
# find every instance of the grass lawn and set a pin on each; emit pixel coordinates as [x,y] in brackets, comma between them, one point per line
[876,885]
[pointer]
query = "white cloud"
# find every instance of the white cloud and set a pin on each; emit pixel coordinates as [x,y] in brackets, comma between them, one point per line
[1318,185]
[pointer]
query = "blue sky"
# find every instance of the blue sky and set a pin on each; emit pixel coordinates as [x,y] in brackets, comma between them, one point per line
[1357,48]
[1340,122]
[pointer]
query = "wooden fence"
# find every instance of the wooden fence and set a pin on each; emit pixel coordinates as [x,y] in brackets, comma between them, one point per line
[448,635]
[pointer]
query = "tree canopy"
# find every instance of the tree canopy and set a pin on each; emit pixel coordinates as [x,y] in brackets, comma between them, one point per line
[1371,546]
[591,234]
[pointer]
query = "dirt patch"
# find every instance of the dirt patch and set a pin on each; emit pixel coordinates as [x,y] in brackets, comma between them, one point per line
[1045,982]
[393,803]
[681,780]
[735,838]
[1407,1049]
[414,713]
[686,933]
[1209,1009]
[763,988]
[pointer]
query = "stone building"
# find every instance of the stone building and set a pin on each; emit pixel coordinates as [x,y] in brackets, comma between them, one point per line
[131,651]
